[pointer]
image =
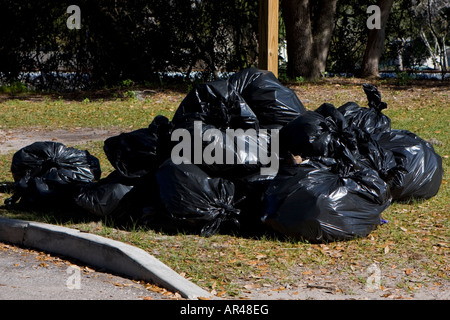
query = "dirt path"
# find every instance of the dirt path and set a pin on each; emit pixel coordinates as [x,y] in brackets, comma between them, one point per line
[12,140]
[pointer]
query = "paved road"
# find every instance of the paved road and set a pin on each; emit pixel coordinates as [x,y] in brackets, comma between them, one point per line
[32,275]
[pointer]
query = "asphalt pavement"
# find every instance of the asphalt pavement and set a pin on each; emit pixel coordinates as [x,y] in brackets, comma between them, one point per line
[27,274]
[43,261]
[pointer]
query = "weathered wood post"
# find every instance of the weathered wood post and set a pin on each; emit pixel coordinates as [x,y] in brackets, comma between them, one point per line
[268,35]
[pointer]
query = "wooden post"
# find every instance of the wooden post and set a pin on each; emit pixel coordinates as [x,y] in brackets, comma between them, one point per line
[268,35]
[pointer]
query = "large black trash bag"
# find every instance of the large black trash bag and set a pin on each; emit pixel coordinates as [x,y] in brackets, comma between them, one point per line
[357,145]
[215,103]
[250,98]
[316,202]
[320,133]
[325,132]
[142,204]
[250,190]
[369,119]
[375,156]
[47,173]
[274,104]
[419,172]
[195,200]
[124,200]
[137,153]
[307,135]
[103,197]
[344,142]
[230,153]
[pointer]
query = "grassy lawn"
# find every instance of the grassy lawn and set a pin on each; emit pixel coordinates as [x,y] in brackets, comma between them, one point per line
[412,250]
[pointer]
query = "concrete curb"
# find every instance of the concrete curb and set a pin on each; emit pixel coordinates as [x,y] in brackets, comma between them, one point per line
[114,256]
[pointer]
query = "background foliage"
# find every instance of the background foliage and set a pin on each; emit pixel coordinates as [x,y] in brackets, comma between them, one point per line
[121,40]
[143,40]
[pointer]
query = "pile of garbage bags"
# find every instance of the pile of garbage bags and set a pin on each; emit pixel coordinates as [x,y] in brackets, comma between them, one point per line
[243,152]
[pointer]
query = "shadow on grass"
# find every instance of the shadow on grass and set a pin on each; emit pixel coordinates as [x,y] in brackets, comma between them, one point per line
[104,94]
[158,221]
[392,84]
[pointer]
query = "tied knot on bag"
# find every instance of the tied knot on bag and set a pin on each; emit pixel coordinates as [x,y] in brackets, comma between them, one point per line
[50,163]
[374,97]
[224,212]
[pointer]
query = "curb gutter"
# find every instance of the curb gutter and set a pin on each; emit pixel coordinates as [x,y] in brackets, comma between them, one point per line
[112,255]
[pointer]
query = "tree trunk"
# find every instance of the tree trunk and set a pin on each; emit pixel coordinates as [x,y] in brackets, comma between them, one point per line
[430,50]
[375,42]
[309,25]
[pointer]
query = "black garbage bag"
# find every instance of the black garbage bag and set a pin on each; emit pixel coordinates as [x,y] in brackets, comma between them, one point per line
[315,201]
[326,132]
[230,153]
[354,145]
[307,135]
[137,153]
[320,133]
[125,200]
[143,205]
[215,103]
[369,119]
[195,200]
[273,103]
[49,173]
[375,156]
[249,195]
[250,98]
[419,172]
[103,197]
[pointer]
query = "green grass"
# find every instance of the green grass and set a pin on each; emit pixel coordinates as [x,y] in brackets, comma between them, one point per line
[99,113]
[416,237]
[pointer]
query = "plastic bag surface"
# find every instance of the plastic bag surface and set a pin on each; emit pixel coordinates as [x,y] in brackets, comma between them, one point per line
[369,119]
[314,202]
[103,197]
[273,103]
[195,199]
[137,153]
[419,170]
[50,170]
[216,103]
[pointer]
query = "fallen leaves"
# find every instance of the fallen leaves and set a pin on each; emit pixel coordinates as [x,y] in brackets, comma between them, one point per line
[150,287]
[122,285]
[409,271]
[335,251]
[330,287]
[46,258]
[252,286]
[162,291]
[281,288]
[390,295]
